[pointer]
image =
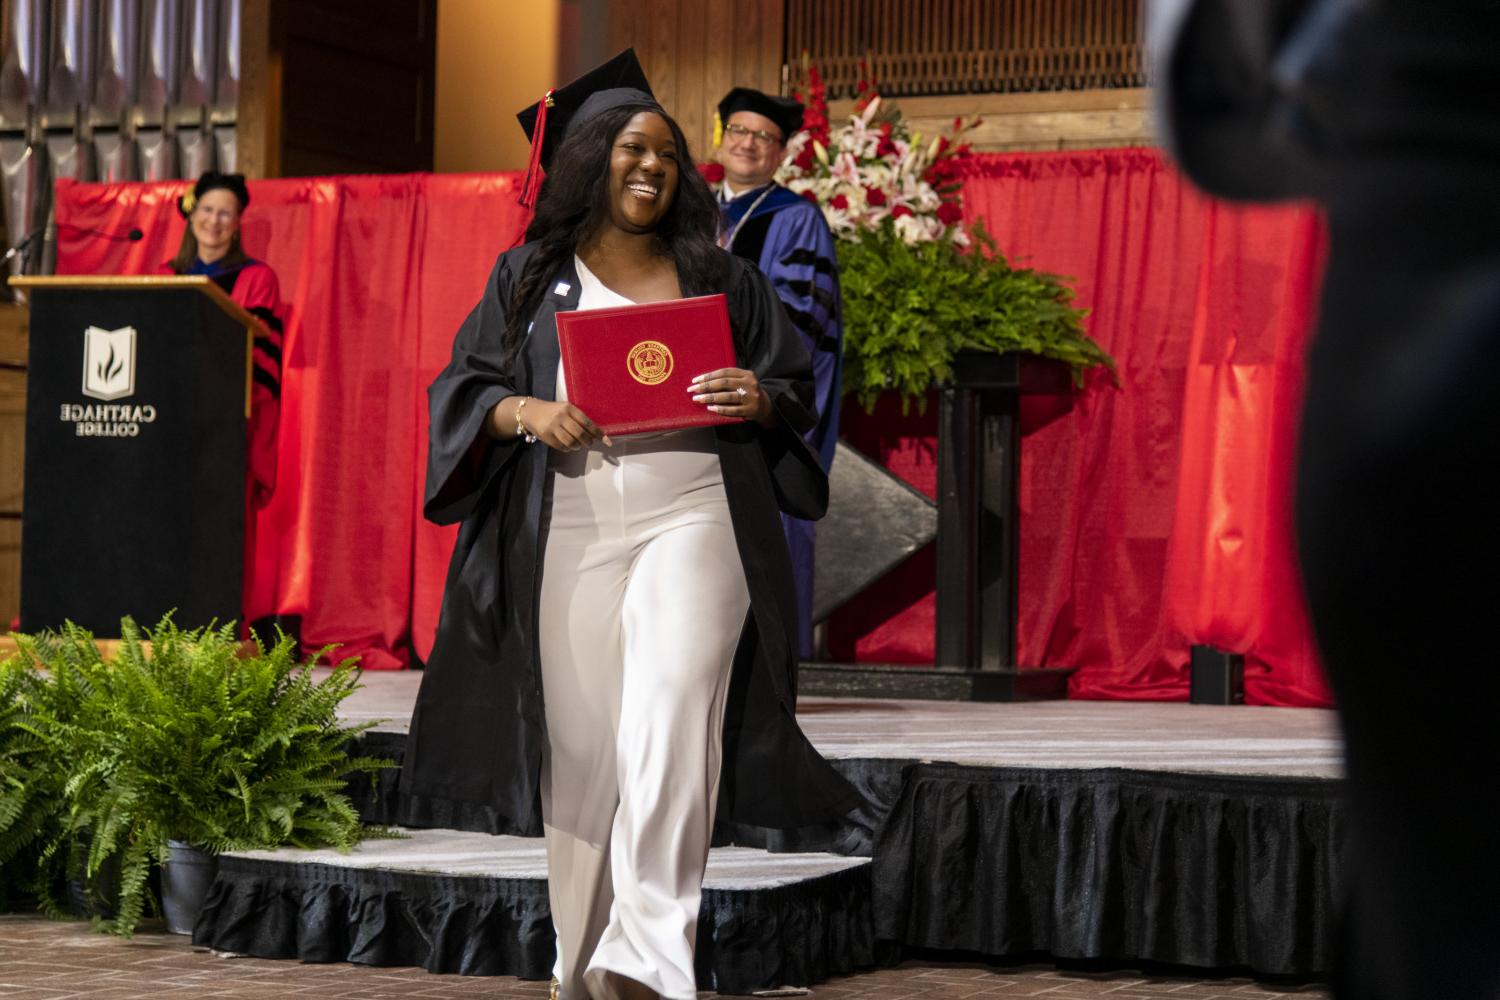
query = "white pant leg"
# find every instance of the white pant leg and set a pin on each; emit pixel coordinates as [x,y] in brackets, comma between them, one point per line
[684,609]
[585,566]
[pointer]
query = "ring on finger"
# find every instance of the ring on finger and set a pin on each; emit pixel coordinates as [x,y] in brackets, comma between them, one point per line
[742,392]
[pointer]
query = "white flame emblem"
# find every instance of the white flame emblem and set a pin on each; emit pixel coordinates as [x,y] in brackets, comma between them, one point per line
[108,362]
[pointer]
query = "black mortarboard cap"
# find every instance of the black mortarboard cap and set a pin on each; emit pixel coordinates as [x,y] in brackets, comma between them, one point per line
[785,112]
[614,83]
[213,181]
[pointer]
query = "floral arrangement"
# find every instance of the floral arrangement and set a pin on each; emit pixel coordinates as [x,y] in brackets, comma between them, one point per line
[918,287]
[872,168]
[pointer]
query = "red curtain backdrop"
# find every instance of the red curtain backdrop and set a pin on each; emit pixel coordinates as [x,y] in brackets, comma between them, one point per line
[1155,515]
[376,273]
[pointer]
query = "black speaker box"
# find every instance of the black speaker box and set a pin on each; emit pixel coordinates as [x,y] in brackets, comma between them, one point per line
[1216,677]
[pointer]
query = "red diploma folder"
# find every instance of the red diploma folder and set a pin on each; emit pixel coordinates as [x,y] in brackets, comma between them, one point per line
[629,367]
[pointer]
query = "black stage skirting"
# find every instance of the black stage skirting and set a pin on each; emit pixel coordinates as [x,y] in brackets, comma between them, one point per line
[1213,871]
[803,933]
[1201,870]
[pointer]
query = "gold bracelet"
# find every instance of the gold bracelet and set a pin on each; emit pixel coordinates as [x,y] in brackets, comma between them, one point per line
[521,431]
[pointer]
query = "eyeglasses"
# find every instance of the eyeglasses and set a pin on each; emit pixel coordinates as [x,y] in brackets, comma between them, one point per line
[759,136]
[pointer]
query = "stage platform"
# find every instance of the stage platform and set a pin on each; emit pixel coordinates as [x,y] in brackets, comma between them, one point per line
[1201,836]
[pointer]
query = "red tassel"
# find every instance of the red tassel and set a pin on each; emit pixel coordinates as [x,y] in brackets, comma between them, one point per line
[532,185]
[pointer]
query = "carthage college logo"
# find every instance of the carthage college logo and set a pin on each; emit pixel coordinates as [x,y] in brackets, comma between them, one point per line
[650,362]
[108,373]
[108,363]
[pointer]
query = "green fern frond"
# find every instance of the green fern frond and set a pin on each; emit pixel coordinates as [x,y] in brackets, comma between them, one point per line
[184,735]
[909,310]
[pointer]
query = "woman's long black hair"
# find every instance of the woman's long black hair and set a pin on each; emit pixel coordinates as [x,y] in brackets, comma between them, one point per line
[573,202]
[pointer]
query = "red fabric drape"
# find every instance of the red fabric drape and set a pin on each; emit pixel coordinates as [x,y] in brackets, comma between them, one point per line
[377,274]
[1154,515]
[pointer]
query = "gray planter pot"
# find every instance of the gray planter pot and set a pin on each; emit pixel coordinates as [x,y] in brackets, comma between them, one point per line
[185,879]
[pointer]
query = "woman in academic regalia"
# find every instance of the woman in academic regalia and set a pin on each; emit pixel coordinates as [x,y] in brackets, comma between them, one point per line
[211,247]
[618,627]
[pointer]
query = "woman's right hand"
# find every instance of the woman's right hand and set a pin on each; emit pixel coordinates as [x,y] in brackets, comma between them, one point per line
[561,425]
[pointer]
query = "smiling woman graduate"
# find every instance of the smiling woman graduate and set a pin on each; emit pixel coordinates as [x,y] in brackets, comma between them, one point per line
[617,632]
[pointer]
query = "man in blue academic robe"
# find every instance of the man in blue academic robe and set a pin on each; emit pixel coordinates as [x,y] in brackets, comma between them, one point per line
[785,235]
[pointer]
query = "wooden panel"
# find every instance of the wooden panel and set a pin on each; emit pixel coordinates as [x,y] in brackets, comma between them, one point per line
[13,326]
[1084,119]
[12,438]
[342,86]
[718,67]
[370,120]
[12,454]
[694,51]
[664,46]
[10,573]
[258,115]
[693,105]
[12,333]
[924,47]
[768,16]
[357,83]
[624,29]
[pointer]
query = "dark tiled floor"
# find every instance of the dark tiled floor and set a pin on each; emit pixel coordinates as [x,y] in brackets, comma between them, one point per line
[44,960]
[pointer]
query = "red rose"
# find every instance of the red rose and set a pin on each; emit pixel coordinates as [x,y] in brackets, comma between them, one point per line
[901,210]
[808,194]
[840,202]
[712,172]
[948,213]
[874,196]
[804,160]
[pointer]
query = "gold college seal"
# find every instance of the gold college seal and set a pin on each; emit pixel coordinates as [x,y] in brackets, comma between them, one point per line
[650,362]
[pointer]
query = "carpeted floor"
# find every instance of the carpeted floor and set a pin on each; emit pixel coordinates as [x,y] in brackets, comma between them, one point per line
[46,960]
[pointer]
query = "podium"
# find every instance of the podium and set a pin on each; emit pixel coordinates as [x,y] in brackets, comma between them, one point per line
[137,401]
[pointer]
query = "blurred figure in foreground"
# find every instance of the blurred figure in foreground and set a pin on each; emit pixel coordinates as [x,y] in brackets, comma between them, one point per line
[1386,113]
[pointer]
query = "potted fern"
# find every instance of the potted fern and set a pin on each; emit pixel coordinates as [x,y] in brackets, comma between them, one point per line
[182,744]
[37,860]
[30,790]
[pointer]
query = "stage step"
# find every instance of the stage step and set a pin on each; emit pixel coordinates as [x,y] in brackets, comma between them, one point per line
[476,904]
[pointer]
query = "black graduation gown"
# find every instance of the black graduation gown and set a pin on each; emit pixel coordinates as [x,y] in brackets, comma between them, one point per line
[478,729]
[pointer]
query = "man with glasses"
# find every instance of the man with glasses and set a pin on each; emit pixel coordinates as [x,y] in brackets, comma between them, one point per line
[785,236]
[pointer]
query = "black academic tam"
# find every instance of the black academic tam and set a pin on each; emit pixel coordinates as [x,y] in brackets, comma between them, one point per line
[478,729]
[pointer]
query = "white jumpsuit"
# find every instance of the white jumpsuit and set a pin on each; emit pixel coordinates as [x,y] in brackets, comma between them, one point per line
[643,599]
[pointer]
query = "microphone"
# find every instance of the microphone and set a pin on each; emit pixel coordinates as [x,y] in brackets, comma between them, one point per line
[133,236]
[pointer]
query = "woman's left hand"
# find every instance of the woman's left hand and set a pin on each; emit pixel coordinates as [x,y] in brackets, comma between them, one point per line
[734,392]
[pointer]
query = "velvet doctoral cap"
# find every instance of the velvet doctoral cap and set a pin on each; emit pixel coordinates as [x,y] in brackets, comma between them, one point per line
[214,181]
[785,112]
[548,122]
